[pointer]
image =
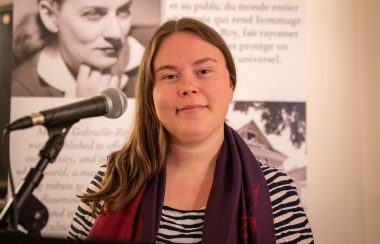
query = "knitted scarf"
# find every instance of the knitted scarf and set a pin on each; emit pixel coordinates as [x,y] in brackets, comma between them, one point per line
[238,210]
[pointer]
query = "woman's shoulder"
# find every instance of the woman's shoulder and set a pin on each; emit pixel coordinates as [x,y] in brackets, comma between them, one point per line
[26,68]
[27,82]
[83,218]
[282,190]
[25,78]
[95,183]
[274,175]
[290,220]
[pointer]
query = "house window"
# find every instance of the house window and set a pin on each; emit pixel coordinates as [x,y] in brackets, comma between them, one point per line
[251,135]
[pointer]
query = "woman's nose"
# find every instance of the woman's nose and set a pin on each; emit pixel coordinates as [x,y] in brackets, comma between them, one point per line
[113,28]
[188,87]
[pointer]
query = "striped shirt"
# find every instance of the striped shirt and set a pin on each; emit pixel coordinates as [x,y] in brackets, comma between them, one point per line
[178,226]
[181,226]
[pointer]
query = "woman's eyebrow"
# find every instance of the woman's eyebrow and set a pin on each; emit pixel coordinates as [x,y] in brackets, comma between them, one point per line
[204,60]
[163,67]
[197,62]
[125,6]
[90,7]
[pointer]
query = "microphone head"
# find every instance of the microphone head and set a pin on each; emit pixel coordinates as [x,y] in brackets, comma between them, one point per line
[116,102]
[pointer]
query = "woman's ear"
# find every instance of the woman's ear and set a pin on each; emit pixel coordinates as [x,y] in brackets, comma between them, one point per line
[47,12]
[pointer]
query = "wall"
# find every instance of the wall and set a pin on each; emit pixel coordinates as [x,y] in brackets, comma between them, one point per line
[369,69]
[343,119]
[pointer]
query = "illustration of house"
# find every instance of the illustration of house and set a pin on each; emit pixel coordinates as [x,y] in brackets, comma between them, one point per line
[260,146]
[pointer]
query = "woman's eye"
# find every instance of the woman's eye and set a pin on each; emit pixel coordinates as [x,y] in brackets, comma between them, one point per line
[169,77]
[94,14]
[203,71]
[124,12]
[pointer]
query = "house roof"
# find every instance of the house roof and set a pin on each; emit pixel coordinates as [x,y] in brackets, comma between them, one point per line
[261,138]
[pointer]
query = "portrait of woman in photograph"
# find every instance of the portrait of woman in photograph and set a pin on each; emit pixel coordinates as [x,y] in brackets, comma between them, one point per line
[75,48]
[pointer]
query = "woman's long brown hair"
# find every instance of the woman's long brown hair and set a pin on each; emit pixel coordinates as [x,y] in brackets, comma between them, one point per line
[144,153]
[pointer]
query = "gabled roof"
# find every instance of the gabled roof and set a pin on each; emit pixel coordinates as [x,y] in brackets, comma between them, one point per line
[261,139]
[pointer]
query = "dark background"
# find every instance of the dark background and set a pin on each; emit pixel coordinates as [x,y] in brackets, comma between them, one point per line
[5,76]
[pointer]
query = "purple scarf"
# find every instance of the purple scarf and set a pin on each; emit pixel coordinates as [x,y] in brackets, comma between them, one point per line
[238,210]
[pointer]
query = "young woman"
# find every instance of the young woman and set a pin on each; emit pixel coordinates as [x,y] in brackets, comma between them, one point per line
[80,48]
[185,176]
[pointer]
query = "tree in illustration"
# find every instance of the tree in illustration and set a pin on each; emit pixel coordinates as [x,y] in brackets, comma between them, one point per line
[277,116]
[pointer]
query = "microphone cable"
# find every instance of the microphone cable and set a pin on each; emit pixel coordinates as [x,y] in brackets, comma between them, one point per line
[6,161]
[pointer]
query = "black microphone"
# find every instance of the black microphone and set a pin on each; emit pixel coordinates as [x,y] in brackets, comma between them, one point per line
[112,103]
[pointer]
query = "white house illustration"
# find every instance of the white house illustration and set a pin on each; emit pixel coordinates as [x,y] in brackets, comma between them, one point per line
[260,146]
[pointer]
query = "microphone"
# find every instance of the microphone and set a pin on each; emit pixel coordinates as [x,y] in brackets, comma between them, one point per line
[112,103]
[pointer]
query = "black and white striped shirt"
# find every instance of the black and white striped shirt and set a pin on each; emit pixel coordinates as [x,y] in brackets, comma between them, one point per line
[178,226]
[181,226]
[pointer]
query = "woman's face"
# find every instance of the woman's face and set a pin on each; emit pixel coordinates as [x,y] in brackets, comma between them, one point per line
[192,89]
[92,31]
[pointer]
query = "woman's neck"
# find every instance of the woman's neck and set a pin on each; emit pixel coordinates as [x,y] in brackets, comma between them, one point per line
[194,154]
[190,172]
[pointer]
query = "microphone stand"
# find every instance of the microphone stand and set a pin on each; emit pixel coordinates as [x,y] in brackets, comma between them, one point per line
[33,215]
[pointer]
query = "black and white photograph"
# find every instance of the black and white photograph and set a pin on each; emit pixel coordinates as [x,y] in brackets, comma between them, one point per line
[78,48]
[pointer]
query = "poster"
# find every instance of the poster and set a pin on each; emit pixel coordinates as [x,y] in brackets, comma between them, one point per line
[268,109]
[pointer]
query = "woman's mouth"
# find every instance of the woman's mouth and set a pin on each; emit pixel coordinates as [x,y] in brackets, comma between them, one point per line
[191,108]
[111,51]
